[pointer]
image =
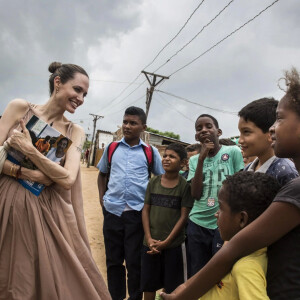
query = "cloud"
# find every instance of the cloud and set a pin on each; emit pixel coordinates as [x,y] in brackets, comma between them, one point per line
[115,40]
[35,33]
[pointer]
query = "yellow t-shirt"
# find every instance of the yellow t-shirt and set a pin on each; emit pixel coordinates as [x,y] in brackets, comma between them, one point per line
[246,281]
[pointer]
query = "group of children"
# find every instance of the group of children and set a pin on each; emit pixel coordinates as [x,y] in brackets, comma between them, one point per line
[185,222]
[221,211]
[266,128]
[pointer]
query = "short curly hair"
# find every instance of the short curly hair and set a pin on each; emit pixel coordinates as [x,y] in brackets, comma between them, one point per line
[136,111]
[252,192]
[227,142]
[179,149]
[209,116]
[292,80]
[193,147]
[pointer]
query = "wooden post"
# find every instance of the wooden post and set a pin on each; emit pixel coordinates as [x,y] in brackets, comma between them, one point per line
[153,84]
[96,118]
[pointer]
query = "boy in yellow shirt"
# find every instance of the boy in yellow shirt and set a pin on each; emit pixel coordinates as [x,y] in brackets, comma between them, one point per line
[242,198]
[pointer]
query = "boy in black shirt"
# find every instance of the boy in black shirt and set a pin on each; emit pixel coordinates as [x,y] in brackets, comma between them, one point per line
[167,205]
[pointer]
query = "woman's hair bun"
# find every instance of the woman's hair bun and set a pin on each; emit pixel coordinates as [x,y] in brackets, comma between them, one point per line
[54,66]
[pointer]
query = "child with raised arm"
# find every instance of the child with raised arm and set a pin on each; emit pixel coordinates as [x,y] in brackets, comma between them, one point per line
[278,226]
[242,198]
[207,170]
[167,204]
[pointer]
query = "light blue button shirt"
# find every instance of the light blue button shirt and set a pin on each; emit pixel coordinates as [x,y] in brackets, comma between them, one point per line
[128,176]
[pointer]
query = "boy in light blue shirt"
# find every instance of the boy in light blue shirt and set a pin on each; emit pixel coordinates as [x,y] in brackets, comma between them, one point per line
[122,203]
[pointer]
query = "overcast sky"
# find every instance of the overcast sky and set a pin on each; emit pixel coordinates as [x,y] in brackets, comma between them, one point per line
[114,40]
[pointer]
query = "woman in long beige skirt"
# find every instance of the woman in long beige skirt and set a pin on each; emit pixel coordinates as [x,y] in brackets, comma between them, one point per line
[44,249]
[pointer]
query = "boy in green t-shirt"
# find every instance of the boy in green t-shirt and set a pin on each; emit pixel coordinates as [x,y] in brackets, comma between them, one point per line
[207,170]
[167,204]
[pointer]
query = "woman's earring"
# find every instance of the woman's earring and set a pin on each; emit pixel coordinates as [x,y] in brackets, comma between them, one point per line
[57,89]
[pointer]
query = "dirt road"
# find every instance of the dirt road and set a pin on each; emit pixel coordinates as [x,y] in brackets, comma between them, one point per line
[93,215]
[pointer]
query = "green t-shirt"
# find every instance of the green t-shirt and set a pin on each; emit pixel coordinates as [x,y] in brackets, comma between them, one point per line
[165,209]
[227,161]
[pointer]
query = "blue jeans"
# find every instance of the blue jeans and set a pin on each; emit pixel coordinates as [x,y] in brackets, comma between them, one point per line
[123,239]
[202,244]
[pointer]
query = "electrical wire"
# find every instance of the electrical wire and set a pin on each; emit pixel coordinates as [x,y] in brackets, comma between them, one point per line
[123,109]
[168,43]
[202,54]
[197,34]
[173,107]
[79,119]
[198,104]
[121,93]
[112,81]
[116,104]
[132,82]
[225,38]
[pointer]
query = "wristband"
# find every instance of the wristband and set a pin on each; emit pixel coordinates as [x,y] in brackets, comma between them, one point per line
[11,170]
[19,172]
[14,172]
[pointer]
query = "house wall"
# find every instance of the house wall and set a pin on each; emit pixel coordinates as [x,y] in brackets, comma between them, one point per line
[104,138]
[155,140]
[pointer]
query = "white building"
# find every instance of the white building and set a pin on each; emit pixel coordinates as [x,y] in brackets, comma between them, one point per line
[103,138]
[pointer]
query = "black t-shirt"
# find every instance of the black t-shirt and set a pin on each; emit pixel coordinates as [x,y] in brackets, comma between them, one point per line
[165,208]
[283,276]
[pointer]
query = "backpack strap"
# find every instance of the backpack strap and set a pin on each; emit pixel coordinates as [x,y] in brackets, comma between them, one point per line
[148,150]
[110,151]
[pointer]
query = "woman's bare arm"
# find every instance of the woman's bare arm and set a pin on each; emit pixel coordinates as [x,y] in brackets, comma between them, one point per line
[65,176]
[12,115]
[27,174]
[279,219]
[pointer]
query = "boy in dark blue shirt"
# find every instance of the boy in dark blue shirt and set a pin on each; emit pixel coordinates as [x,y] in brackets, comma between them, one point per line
[255,120]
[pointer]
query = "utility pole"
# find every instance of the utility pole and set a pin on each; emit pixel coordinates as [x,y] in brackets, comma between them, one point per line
[153,84]
[96,118]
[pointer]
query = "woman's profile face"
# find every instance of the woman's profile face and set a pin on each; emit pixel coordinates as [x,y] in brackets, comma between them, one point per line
[73,92]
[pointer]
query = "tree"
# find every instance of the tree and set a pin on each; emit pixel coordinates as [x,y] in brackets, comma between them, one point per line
[165,133]
[87,144]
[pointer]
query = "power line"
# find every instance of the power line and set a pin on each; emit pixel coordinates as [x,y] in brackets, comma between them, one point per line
[136,100]
[126,96]
[226,37]
[174,108]
[121,93]
[112,81]
[192,102]
[164,47]
[132,82]
[202,29]
[79,119]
